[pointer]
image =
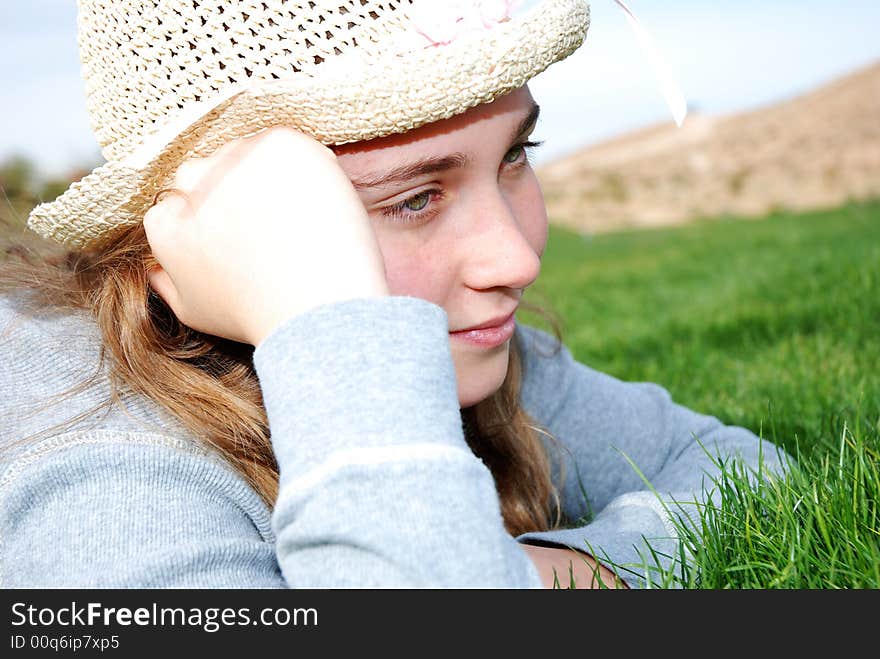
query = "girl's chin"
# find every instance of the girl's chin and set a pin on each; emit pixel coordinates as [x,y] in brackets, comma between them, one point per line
[477,382]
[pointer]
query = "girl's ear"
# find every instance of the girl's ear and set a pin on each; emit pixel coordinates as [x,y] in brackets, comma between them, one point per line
[162,284]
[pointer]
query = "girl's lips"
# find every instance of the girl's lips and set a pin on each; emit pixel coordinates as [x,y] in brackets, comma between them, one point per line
[488,337]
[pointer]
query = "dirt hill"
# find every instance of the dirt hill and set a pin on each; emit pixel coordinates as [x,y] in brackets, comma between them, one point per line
[817,150]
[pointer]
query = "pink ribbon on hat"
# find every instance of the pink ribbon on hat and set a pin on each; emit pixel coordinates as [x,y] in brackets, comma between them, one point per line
[443,23]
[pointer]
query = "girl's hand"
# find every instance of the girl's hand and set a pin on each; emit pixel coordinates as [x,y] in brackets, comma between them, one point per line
[265,229]
[557,568]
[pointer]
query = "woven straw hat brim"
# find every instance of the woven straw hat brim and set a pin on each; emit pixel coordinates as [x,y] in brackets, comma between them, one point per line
[347,102]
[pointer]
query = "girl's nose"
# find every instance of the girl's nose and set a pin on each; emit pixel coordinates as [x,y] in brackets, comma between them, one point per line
[499,251]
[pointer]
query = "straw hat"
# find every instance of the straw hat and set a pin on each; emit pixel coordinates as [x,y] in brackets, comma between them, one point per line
[169,79]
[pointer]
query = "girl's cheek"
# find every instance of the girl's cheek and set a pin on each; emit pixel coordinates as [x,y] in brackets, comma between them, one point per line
[402,271]
[538,232]
[398,283]
[533,214]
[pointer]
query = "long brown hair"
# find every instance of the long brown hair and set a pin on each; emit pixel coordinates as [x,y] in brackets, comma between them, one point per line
[209,384]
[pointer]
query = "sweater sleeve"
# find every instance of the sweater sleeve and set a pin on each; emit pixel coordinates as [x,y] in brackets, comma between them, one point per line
[609,431]
[377,485]
[115,509]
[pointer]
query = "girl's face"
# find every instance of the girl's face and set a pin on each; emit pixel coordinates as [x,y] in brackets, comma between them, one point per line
[460,220]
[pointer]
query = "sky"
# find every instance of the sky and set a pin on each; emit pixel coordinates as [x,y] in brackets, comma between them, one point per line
[727,56]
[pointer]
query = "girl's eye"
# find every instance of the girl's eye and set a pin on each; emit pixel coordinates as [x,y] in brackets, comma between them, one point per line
[514,154]
[420,207]
[520,152]
[418,202]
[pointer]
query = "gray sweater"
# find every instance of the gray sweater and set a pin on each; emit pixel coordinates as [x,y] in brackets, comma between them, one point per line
[378,487]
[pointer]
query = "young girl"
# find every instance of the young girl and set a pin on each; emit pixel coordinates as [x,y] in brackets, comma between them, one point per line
[277,346]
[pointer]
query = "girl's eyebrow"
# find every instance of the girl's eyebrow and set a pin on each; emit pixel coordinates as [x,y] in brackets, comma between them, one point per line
[413,170]
[528,124]
[426,166]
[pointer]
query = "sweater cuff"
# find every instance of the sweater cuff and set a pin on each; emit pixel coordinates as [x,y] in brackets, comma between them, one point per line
[363,373]
[633,536]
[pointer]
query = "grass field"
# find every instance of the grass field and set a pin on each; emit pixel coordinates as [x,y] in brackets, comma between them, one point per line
[770,324]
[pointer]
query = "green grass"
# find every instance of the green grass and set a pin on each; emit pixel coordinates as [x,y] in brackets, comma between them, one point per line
[816,527]
[749,320]
[770,324]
